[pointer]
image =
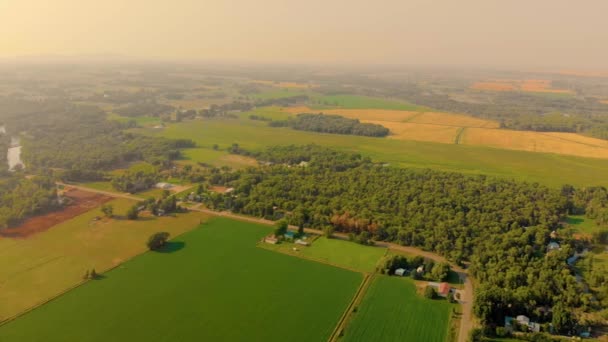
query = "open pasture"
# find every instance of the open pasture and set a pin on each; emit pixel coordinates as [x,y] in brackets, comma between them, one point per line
[211,284]
[549,169]
[43,265]
[391,310]
[359,102]
[335,252]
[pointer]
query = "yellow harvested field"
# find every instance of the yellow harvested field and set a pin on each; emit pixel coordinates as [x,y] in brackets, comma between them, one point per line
[604,101]
[562,143]
[293,85]
[537,86]
[419,132]
[495,86]
[452,120]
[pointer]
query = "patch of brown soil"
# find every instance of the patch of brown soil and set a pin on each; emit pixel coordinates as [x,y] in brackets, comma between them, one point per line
[81,202]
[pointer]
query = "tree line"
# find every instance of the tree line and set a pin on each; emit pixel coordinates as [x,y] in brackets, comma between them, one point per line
[331,124]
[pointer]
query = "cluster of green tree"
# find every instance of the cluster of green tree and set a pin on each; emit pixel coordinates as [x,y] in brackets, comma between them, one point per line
[81,141]
[144,108]
[22,197]
[225,110]
[283,101]
[430,270]
[133,181]
[4,144]
[502,227]
[590,201]
[259,118]
[121,97]
[331,124]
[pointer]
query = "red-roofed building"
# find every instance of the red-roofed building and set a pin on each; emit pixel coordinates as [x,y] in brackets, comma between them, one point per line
[443,290]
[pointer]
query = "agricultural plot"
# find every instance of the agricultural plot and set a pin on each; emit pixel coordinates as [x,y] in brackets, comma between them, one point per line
[358,102]
[335,252]
[295,85]
[45,264]
[391,310]
[562,143]
[419,132]
[449,119]
[550,169]
[211,284]
[530,86]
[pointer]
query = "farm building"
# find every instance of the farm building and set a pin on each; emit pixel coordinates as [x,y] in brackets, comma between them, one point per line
[521,320]
[443,289]
[302,242]
[400,272]
[164,186]
[271,239]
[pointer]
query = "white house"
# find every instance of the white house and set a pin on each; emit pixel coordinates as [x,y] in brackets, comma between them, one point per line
[553,245]
[400,272]
[521,319]
[164,186]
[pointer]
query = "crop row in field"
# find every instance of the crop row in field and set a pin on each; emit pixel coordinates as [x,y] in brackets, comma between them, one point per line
[211,284]
[391,310]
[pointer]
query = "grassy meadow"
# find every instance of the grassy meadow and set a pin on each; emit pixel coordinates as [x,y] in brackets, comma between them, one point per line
[391,310]
[212,284]
[549,169]
[41,266]
[336,252]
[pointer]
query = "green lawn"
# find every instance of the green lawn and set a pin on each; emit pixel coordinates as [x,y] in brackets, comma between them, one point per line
[392,311]
[549,169]
[212,284]
[336,252]
[41,266]
[364,102]
[581,224]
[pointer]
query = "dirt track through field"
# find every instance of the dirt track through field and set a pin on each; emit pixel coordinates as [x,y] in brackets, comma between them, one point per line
[81,202]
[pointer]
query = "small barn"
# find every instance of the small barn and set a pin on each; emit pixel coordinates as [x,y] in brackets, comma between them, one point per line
[271,239]
[400,272]
[444,289]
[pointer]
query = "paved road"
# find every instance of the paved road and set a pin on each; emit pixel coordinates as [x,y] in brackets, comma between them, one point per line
[466,321]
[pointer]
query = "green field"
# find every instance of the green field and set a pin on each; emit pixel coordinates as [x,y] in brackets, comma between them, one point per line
[550,169]
[212,284]
[336,252]
[43,265]
[363,102]
[392,311]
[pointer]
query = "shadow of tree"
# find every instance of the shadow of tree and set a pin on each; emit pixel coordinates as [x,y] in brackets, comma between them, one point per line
[172,246]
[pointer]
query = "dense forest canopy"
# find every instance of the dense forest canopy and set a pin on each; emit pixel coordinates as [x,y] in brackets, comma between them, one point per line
[332,124]
[502,227]
[80,138]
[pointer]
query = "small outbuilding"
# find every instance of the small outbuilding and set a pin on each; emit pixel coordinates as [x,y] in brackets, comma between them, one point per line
[553,246]
[400,272]
[164,186]
[302,242]
[271,239]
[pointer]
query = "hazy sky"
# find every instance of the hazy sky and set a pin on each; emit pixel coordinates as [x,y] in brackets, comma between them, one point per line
[563,33]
